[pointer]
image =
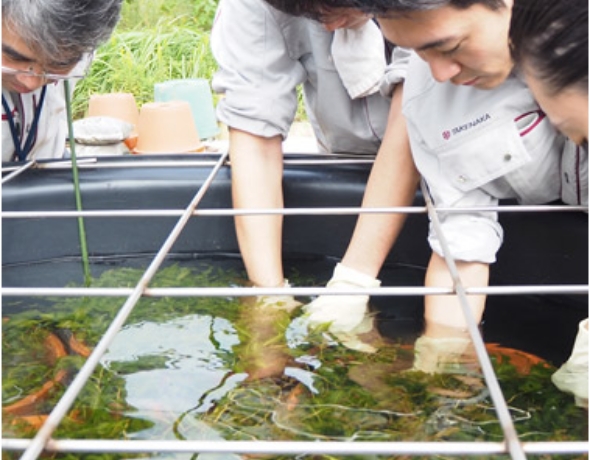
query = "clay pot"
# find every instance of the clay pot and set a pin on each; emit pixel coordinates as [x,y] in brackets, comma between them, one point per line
[197,92]
[167,127]
[116,105]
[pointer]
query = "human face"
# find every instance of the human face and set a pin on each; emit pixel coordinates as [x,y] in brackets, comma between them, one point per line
[343,18]
[24,72]
[464,46]
[567,109]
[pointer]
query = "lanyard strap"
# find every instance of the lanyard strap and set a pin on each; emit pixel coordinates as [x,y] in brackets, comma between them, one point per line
[21,152]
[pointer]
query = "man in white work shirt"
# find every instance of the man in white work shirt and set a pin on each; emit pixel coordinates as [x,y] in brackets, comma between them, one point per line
[477,136]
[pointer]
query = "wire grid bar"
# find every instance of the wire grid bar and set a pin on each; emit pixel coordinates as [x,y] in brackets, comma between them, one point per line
[84,163]
[18,171]
[284,212]
[60,410]
[501,407]
[43,441]
[295,291]
[298,447]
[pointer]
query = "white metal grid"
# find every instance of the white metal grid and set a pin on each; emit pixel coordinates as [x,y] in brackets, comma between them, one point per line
[511,445]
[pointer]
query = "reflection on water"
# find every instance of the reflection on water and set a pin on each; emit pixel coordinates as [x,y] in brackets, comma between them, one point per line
[187,365]
[221,368]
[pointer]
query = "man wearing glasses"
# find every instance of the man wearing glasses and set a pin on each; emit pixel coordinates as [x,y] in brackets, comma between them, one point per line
[45,42]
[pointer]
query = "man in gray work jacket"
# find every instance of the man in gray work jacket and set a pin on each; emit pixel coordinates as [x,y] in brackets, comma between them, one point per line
[263,55]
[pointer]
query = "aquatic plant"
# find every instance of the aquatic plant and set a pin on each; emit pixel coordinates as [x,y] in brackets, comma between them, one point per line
[267,378]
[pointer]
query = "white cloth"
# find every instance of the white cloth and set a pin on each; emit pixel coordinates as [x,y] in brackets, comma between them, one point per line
[52,129]
[359,58]
[474,147]
[572,377]
[101,130]
[263,55]
[396,70]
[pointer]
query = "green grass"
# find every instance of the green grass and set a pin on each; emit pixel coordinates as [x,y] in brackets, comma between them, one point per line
[155,41]
[139,14]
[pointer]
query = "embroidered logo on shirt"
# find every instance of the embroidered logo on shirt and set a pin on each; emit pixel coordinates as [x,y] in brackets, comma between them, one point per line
[471,124]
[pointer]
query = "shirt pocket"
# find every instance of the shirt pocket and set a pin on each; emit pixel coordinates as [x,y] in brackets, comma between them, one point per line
[484,156]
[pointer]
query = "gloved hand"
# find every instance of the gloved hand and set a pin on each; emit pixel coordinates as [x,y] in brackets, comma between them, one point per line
[261,327]
[278,302]
[346,314]
[444,355]
[572,376]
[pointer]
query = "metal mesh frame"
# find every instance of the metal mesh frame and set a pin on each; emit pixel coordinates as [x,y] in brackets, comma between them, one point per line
[511,445]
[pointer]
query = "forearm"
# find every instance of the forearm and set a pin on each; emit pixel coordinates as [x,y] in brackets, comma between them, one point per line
[392,182]
[445,310]
[257,170]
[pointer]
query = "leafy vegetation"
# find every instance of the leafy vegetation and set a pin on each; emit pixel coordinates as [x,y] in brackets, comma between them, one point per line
[335,393]
[155,41]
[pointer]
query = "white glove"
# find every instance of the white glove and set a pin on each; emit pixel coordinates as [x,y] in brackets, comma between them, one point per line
[572,376]
[352,341]
[444,355]
[343,313]
[278,302]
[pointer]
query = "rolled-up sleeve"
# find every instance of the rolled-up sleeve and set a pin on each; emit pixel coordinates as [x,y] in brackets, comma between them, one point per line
[470,236]
[396,70]
[256,73]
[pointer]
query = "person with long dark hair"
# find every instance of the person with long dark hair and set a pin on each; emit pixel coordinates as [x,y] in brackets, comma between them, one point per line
[549,41]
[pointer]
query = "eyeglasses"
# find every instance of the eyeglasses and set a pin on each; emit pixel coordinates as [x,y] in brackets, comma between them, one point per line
[79,71]
[44,76]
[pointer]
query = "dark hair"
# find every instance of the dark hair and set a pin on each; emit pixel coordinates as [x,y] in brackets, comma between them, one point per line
[552,37]
[61,31]
[315,9]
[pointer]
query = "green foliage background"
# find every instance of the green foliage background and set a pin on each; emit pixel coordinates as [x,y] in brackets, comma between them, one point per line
[155,41]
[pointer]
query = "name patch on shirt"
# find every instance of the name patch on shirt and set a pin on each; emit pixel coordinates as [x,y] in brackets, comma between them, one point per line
[465,127]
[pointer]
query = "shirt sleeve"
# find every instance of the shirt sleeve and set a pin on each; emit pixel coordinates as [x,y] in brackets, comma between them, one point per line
[256,73]
[396,71]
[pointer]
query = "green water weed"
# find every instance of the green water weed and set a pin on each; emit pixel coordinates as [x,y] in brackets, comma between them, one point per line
[346,395]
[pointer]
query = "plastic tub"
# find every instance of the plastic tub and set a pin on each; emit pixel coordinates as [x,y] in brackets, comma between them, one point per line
[539,248]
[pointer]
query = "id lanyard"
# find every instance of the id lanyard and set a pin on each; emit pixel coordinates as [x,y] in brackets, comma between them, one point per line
[21,151]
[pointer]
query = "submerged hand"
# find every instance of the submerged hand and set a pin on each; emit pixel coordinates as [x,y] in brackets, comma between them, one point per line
[261,327]
[444,355]
[277,302]
[343,313]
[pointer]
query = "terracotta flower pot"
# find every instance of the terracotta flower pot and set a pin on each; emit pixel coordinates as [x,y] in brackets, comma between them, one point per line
[116,105]
[197,92]
[167,127]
